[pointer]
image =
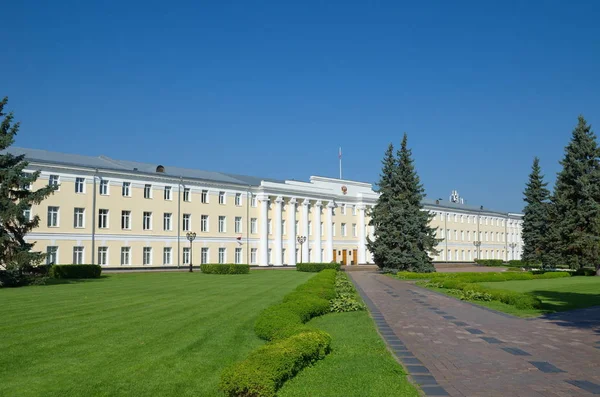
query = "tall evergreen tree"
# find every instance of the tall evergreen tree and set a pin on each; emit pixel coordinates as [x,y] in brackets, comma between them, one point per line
[403,237]
[15,199]
[535,220]
[576,200]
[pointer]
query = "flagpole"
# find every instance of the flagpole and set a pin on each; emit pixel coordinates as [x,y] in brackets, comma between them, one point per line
[340,157]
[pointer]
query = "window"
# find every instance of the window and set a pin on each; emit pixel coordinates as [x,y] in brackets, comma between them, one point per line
[270,227]
[103,255]
[296,227]
[221,197]
[333,228]
[204,223]
[283,256]
[322,254]
[455,218]
[222,255]
[104,187]
[77,255]
[283,231]
[270,255]
[310,228]
[486,221]
[147,256]
[204,255]
[353,210]
[449,255]
[27,185]
[167,221]
[468,235]
[310,255]
[456,235]
[186,222]
[147,191]
[343,210]
[27,214]
[53,180]
[204,197]
[238,224]
[222,221]
[343,229]
[253,227]
[51,254]
[254,201]
[79,185]
[147,223]
[186,194]
[322,230]
[468,219]
[186,255]
[237,257]
[52,216]
[102,219]
[354,231]
[126,190]
[448,234]
[126,220]
[167,255]
[462,236]
[253,252]
[238,199]
[78,218]
[167,193]
[462,220]
[486,236]
[125,256]
[492,237]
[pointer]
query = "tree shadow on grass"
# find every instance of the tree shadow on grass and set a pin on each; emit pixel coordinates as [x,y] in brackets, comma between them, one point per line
[571,309]
[61,281]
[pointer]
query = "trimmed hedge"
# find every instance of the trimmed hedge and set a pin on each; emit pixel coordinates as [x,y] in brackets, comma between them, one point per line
[227,268]
[316,267]
[481,277]
[346,298]
[585,271]
[268,367]
[292,345]
[490,262]
[75,271]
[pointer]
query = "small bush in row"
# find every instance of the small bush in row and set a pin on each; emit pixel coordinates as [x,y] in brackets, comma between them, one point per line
[490,262]
[316,267]
[482,277]
[268,367]
[75,271]
[229,268]
[585,271]
[346,299]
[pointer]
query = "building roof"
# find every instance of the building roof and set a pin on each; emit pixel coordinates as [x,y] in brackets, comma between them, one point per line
[107,163]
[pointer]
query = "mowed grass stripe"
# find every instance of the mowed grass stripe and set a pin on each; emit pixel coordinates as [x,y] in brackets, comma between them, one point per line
[135,334]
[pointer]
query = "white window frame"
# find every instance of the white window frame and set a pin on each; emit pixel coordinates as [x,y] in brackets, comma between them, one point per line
[204,196]
[204,255]
[238,199]
[168,193]
[78,255]
[125,253]
[222,257]
[253,225]
[238,225]
[147,191]
[310,228]
[343,209]
[253,255]
[104,187]
[54,180]
[147,220]
[125,219]
[53,214]
[103,256]
[222,198]
[354,230]
[186,255]
[79,185]
[186,222]
[126,189]
[168,221]
[204,223]
[167,256]
[222,228]
[343,229]
[283,228]
[270,226]
[254,201]
[51,254]
[187,194]
[79,218]
[27,213]
[103,218]
[238,255]
[147,256]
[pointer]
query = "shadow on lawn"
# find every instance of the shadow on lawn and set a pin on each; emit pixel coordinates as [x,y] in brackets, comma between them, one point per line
[571,309]
[60,281]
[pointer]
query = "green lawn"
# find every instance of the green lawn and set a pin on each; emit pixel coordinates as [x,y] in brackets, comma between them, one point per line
[556,294]
[359,364]
[144,334]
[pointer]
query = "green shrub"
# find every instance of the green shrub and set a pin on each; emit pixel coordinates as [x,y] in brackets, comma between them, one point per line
[316,267]
[228,268]
[265,369]
[75,271]
[346,299]
[585,271]
[490,262]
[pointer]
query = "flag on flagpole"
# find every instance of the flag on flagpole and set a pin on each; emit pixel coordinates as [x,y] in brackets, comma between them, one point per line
[239,239]
[340,153]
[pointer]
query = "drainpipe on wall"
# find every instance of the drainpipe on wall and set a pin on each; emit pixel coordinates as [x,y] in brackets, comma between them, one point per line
[506,237]
[446,234]
[94,218]
[248,200]
[179,225]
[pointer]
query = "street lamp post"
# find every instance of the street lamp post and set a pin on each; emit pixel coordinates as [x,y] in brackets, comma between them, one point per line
[512,249]
[477,244]
[301,240]
[191,236]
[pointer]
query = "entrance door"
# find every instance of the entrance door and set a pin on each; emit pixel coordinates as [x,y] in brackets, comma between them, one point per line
[344,257]
[335,256]
[355,256]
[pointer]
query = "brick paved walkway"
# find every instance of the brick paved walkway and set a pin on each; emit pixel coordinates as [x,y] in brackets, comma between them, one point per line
[455,348]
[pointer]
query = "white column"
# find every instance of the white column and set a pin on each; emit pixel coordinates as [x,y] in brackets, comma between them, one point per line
[278,232]
[264,230]
[291,246]
[317,231]
[362,242]
[329,228]
[305,210]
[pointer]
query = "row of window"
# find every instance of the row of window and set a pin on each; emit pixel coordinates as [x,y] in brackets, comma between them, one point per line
[473,219]
[472,255]
[126,191]
[147,255]
[491,236]
[126,222]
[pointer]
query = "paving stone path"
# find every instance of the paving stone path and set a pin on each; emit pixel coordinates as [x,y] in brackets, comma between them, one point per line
[455,348]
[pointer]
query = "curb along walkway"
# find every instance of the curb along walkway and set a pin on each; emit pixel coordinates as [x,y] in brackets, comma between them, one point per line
[453,348]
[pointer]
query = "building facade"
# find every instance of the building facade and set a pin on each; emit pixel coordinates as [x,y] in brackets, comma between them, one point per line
[127,214]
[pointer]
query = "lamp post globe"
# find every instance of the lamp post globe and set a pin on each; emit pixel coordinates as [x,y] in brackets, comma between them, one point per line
[301,240]
[191,236]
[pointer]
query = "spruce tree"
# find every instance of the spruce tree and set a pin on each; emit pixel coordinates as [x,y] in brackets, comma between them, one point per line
[535,220]
[576,201]
[15,199]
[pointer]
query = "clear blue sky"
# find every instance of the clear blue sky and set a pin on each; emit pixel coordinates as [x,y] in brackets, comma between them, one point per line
[272,89]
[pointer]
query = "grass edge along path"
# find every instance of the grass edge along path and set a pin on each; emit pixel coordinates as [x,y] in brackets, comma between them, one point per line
[485,289]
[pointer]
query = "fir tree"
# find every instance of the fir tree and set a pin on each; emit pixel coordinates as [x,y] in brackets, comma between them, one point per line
[535,220]
[576,200]
[15,199]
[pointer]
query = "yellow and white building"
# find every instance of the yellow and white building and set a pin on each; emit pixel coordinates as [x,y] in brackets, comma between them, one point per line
[128,214]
